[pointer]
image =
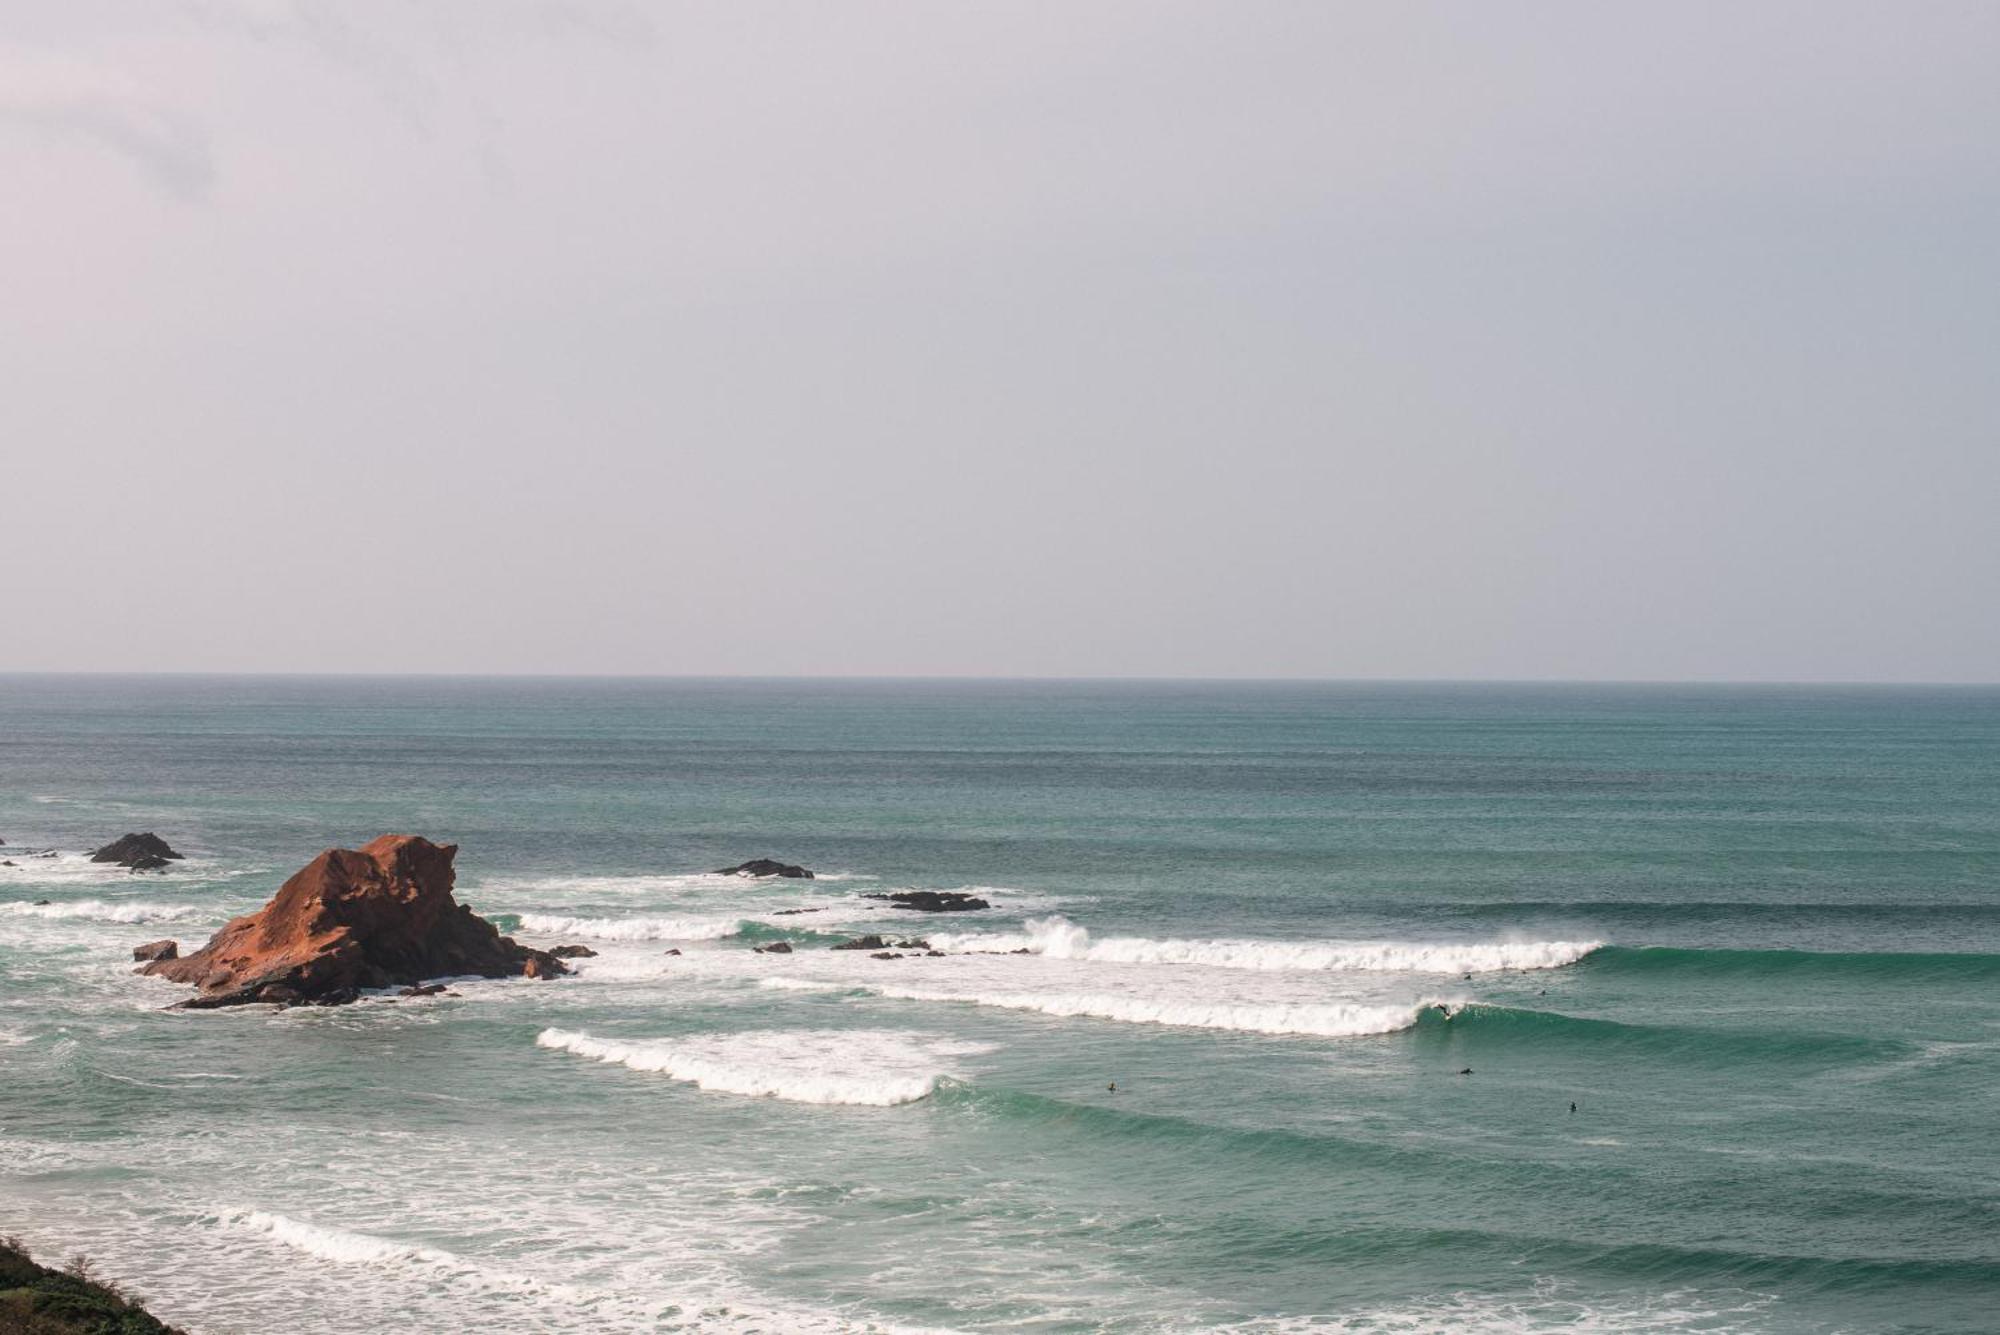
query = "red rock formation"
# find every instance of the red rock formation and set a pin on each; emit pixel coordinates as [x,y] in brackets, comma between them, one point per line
[378,917]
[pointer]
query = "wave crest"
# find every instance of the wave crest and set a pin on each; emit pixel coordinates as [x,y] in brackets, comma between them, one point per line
[1316,1019]
[333,1244]
[98,910]
[632,929]
[876,1068]
[345,1248]
[1059,938]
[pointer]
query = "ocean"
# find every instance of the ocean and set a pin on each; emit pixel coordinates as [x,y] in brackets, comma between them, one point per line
[1298,1007]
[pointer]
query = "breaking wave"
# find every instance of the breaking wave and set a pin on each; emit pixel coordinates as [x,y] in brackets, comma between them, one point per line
[1315,1019]
[629,929]
[98,910]
[869,1067]
[345,1248]
[1059,938]
[333,1244]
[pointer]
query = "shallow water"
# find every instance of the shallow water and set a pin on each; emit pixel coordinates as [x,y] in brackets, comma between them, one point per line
[1753,934]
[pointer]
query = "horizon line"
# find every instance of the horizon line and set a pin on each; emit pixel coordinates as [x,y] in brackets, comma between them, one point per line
[971,678]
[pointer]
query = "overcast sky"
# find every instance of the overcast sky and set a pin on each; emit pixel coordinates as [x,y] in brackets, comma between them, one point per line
[1266,339]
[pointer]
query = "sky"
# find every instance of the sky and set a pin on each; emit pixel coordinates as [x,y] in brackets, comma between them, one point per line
[1387,340]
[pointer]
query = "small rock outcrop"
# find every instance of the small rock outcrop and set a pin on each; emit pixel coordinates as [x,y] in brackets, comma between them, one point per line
[379,916]
[767,867]
[574,953]
[934,901]
[131,849]
[775,948]
[869,942]
[156,950]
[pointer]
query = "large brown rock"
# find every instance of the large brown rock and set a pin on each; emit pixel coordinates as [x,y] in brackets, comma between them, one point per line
[381,916]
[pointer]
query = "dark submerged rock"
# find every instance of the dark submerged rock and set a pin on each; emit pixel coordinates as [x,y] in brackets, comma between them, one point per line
[775,948]
[130,848]
[767,867]
[147,862]
[422,990]
[574,953]
[869,942]
[934,901]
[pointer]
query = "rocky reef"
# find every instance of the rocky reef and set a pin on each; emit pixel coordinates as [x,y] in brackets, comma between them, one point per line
[761,867]
[139,852]
[934,901]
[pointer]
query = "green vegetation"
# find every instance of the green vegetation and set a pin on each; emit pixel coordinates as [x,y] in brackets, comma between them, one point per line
[35,1300]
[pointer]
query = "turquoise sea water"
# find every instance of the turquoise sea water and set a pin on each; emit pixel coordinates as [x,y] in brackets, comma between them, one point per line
[1752,934]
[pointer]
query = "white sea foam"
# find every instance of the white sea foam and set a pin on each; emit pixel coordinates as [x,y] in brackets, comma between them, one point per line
[334,1244]
[1318,1019]
[646,886]
[800,917]
[345,1248]
[632,929]
[1059,938]
[600,887]
[76,869]
[99,910]
[873,1067]
[1550,1305]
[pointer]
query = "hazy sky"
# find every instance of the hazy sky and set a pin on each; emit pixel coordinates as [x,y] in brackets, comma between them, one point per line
[1274,339]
